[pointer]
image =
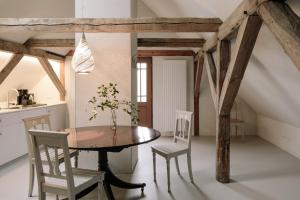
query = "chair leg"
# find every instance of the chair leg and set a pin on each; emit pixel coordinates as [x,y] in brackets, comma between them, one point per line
[72,197]
[177,165]
[42,195]
[76,160]
[154,166]
[99,190]
[189,162]
[168,172]
[31,179]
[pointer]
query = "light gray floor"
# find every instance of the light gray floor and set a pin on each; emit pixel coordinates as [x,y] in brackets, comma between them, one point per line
[259,171]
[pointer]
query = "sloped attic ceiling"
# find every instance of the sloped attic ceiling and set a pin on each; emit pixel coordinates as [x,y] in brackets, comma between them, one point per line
[271,81]
[37,8]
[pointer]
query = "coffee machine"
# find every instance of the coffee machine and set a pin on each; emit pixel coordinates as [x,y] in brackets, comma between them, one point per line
[23,96]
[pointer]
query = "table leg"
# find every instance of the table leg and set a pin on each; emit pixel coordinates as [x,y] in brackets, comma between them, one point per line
[111,179]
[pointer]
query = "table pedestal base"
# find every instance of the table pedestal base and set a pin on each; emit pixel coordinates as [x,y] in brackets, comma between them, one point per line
[111,179]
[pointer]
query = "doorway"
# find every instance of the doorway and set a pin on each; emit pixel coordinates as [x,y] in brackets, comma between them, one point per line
[144,91]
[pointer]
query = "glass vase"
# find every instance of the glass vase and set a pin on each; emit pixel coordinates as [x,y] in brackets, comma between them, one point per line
[113,120]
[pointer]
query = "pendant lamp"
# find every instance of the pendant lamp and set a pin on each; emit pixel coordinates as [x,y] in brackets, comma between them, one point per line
[83,61]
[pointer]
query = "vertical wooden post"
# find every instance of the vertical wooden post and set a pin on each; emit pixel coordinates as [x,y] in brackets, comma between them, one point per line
[196,103]
[229,83]
[223,148]
[62,78]
[223,119]
[198,69]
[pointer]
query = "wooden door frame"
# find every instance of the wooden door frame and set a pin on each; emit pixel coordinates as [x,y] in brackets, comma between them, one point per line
[148,60]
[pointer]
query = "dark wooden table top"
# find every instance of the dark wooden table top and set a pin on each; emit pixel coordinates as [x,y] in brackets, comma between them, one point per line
[103,138]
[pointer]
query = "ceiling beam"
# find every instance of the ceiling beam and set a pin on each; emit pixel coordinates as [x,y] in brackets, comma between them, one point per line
[12,63]
[33,43]
[245,42]
[198,75]
[52,75]
[284,23]
[150,53]
[228,29]
[111,25]
[233,22]
[211,75]
[170,42]
[17,48]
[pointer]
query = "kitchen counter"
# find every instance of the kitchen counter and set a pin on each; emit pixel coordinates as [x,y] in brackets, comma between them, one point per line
[12,131]
[12,110]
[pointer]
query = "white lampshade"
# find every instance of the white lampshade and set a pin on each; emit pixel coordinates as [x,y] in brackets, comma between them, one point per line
[83,61]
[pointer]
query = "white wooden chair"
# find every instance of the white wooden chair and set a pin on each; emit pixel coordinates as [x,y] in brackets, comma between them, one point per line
[69,183]
[41,122]
[237,119]
[181,145]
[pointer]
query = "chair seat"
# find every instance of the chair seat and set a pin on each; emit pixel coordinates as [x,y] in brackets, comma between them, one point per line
[170,150]
[83,178]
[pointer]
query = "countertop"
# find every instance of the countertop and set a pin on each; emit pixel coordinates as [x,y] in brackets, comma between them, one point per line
[5,111]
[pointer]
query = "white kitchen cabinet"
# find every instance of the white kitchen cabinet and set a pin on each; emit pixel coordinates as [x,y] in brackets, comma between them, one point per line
[57,115]
[12,131]
[12,142]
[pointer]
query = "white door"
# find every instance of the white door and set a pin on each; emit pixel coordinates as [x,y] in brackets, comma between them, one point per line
[169,92]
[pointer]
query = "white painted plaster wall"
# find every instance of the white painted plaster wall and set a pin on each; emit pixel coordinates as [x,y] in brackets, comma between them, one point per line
[281,134]
[29,74]
[113,54]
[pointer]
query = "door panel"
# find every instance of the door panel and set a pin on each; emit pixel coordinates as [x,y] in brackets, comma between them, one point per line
[144,93]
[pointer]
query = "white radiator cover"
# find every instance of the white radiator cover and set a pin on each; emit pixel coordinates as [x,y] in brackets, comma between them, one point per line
[169,92]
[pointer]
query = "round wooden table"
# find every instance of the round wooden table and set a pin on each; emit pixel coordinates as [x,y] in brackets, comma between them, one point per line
[103,139]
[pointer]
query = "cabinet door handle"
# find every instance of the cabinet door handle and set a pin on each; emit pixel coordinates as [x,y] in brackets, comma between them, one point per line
[1,134]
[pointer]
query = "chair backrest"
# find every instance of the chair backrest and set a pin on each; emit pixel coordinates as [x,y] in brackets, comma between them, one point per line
[236,112]
[45,140]
[39,122]
[183,125]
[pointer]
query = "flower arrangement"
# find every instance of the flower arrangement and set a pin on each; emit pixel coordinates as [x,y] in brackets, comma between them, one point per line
[107,98]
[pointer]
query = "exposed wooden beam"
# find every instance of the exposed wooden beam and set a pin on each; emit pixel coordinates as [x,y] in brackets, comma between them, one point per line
[170,42]
[223,148]
[17,48]
[52,75]
[211,75]
[223,59]
[223,120]
[228,29]
[70,53]
[285,25]
[150,53]
[245,42]
[50,43]
[62,79]
[199,74]
[233,22]
[112,25]
[211,44]
[198,68]
[13,62]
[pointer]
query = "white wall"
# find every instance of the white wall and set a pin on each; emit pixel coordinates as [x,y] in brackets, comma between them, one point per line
[113,54]
[281,134]
[29,74]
